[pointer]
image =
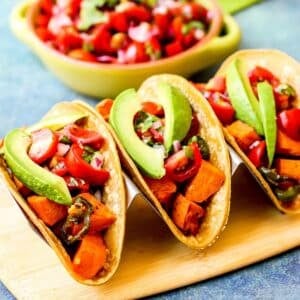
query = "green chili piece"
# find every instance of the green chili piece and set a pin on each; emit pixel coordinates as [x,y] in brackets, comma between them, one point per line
[83,218]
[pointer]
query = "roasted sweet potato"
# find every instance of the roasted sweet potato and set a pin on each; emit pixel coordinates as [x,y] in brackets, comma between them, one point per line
[244,134]
[101,217]
[288,167]
[90,257]
[104,107]
[187,215]
[286,145]
[207,181]
[49,211]
[163,188]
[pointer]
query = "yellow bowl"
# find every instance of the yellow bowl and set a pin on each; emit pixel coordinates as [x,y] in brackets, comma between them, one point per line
[107,80]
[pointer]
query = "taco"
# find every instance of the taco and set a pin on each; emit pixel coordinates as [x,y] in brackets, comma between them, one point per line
[65,174]
[173,147]
[256,95]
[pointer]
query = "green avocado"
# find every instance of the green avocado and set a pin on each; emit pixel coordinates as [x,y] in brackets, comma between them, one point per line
[36,178]
[178,116]
[149,159]
[242,97]
[178,113]
[268,116]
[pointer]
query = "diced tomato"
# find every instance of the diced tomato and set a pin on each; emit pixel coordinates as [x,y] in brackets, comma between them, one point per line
[136,53]
[44,145]
[101,40]
[217,84]
[73,8]
[68,39]
[189,39]
[46,6]
[162,21]
[259,74]
[83,136]
[44,34]
[257,153]
[41,20]
[289,122]
[176,28]
[138,13]
[173,48]
[153,108]
[83,55]
[179,167]
[58,165]
[222,108]
[77,184]
[194,128]
[118,21]
[281,101]
[194,11]
[79,168]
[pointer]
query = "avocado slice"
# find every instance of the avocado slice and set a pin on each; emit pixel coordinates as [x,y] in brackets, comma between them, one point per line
[268,116]
[242,97]
[149,159]
[39,180]
[178,113]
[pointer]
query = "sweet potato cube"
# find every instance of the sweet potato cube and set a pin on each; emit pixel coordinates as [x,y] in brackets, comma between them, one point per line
[102,217]
[207,181]
[90,256]
[244,134]
[49,211]
[163,188]
[288,167]
[187,215]
[286,145]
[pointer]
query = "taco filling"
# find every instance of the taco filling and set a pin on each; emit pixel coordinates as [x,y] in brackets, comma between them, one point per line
[79,217]
[272,141]
[162,137]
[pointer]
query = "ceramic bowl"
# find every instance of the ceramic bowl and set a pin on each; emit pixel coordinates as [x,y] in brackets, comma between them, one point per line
[107,80]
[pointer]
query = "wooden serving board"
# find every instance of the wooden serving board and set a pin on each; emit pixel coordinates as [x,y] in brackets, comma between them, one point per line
[152,261]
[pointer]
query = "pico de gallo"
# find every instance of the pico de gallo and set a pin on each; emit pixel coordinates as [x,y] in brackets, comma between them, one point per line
[282,174]
[190,177]
[75,154]
[123,32]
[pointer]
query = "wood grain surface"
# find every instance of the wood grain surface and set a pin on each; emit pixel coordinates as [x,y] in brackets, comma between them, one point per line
[152,261]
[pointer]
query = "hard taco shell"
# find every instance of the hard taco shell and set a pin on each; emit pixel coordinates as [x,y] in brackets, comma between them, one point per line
[218,209]
[288,71]
[113,194]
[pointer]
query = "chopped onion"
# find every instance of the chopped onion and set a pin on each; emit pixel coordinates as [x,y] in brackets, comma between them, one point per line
[177,146]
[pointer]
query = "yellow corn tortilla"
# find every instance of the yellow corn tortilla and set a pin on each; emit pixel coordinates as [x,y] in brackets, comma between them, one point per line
[114,196]
[218,209]
[288,71]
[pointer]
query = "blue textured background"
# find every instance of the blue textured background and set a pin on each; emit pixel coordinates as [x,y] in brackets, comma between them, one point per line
[28,90]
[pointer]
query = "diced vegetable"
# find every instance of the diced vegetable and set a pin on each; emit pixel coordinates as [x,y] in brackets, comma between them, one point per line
[184,164]
[243,133]
[90,257]
[207,182]
[163,188]
[48,211]
[257,153]
[286,145]
[101,217]
[104,108]
[187,215]
[288,167]
[289,122]
[44,145]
